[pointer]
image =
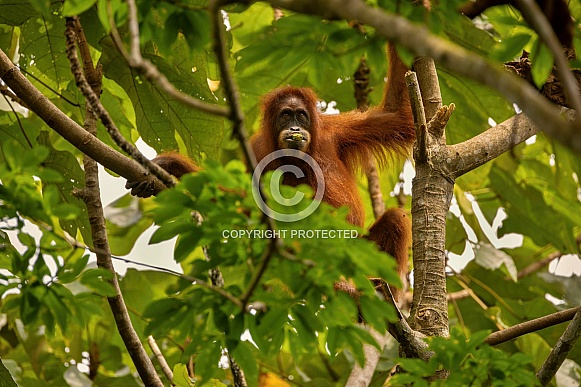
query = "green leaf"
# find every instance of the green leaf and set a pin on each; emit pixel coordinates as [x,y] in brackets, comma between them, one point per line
[542,61]
[244,355]
[510,48]
[475,104]
[126,223]
[308,319]
[5,377]
[96,279]
[353,340]
[40,269]
[195,26]
[44,33]
[73,178]
[186,244]
[163,307]
[528,213]
[208,359]
[76,7]
[27,240]
[41,5]
[417,366]
[31,302]
[58,309]
[171,229]
[181,377]
[66,211]
[17,12]
[119,12]
[376,312]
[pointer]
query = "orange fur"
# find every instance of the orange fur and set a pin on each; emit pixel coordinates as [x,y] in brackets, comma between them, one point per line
[392,232]
[176,164]
[342,143]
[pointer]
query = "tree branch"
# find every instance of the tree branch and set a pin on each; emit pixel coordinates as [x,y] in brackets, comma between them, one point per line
[421,148]
[560,350]
[411,342]
[69,129]
[160,359]
[362,376]
[493,142]
[91,196]
[537,324]
[431,196]
[537,265]
[189,278]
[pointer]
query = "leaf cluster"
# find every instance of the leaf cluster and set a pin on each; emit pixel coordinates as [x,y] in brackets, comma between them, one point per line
[469,362]
[294,308]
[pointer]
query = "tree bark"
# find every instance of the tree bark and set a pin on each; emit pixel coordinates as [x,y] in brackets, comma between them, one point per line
[431,196]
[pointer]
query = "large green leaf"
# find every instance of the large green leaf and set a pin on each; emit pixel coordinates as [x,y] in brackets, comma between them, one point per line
[16,12]
[475,104]
[43,57]
[535,213]
[158,117]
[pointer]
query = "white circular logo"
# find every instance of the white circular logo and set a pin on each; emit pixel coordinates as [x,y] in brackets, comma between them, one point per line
[275,185]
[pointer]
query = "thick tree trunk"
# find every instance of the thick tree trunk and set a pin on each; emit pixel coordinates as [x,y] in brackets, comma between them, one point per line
[432,192]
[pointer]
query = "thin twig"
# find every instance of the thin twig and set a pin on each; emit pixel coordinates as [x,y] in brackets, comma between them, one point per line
[189,278]
[44,84]
[259,272]
[410,341]
[231,91]
[160,359]
[7,93]
[537,265]
[239,131]
[419,116]
[17,119]
[459,295]
[77,245]
[194,280]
